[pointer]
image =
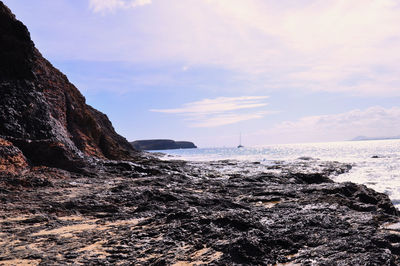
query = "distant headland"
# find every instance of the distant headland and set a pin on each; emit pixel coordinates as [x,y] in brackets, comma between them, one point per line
[161,144]
[73,191]
[362,138]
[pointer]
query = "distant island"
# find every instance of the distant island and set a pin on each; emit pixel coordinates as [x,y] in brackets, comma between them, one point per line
[75,192]
[161,144]
[363,138]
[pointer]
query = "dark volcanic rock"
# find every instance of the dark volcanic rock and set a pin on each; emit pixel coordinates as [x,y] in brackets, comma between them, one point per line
[145,211]
[11,158]
[196,214]
[16,47]
[161,144]
[42,113]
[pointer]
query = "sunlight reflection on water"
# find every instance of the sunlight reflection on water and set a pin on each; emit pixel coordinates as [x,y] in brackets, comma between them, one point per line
[375,163]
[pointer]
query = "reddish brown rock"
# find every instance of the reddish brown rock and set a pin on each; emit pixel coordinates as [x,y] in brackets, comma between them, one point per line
[42,113]
[154,212]
[11,158]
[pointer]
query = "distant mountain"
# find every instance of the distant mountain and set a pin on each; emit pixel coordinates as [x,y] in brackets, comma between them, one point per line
[161,144]
[361,138]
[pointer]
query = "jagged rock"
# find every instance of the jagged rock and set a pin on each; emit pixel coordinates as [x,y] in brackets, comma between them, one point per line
[223,216]
[147,211]
[11,158]
[42,113]
[161,144]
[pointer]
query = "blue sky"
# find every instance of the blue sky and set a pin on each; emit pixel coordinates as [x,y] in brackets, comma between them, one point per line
[205,70]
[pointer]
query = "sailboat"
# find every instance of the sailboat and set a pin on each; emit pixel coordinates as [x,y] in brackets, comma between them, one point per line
[240,142]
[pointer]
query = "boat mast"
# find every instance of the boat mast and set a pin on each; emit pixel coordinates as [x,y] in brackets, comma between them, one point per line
[240,140]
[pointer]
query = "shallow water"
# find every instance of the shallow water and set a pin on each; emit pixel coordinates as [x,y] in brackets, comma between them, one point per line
[375,163]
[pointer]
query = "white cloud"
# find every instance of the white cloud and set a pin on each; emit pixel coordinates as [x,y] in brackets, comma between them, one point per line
[112,5]
[224,119]
[331,45]
[372,122]
[217,105]
[220,111]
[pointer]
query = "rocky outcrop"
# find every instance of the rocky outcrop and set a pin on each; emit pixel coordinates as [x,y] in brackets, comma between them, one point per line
[42,113]
[11,158]
[161,144]
[147,211]
[172,213]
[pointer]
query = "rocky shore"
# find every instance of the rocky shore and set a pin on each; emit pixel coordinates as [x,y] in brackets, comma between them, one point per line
[74,192]
[155,212]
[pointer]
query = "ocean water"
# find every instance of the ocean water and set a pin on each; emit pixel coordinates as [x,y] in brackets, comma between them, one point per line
[376,164]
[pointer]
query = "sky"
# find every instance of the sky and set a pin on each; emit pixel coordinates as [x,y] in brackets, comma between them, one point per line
[206,71]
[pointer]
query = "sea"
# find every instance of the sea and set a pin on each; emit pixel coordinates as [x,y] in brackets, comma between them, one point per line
[375,164]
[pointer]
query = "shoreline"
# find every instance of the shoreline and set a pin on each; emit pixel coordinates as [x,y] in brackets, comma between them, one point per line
[377,169]
[186,213]
[74,191]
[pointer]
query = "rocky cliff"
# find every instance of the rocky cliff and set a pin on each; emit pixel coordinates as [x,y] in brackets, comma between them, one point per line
[146,211]
[161,144]
[42,113]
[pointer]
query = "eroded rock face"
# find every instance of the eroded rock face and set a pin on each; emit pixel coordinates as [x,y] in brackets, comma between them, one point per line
[42,113]
[16,47]
[11,158]
[154,212]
